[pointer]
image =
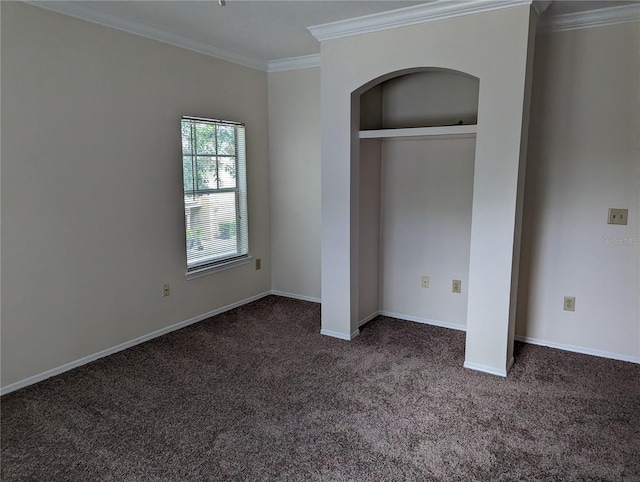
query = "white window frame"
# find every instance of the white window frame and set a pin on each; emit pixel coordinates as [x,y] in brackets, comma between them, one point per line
[208,265]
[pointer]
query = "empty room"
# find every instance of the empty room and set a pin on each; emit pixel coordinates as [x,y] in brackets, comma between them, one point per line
[320,240]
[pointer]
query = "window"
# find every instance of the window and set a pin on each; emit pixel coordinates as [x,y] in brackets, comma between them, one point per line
[215,194]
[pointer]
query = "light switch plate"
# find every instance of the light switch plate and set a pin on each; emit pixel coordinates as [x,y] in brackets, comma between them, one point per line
[618,216]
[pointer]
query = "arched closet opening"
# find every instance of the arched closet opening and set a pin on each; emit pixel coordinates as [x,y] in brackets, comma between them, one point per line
[417,141]
[357,265]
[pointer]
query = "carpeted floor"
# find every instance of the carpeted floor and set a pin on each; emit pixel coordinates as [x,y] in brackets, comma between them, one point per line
[258,394]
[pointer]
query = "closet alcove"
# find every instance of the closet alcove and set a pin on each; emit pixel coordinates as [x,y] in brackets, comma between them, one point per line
[417,151]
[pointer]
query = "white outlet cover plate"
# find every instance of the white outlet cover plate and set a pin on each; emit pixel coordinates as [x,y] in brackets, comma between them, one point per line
[456,286]
[569,303]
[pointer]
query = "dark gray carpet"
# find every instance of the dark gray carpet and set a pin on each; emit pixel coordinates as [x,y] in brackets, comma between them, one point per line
[258,394]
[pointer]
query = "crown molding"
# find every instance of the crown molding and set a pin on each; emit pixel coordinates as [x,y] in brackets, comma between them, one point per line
[402,17]
[435,10]
[592,18]
[83,12]
[294,63]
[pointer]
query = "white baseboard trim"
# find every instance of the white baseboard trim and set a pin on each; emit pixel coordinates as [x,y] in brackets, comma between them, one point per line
[295,296]
[578,349]
[136,341]
[491,370]
[123,346]
[341,336]
[368,318]
[426,321]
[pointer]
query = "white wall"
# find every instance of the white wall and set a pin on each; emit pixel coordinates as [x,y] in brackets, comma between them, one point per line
[427,188]
[371,108]
[92,206]
[432,98]
[294,174]
[584,158]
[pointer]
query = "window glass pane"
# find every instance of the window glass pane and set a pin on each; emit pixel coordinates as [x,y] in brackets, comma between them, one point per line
[187,173]
[205,138]
[211,227]
[227,172]
[187,148]
[226,140]
[206,173]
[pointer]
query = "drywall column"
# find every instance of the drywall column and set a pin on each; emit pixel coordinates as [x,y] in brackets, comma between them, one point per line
[515,270]
[339,177]
[492,46]
[496,228]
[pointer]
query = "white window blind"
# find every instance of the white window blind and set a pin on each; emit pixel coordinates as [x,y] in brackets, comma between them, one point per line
[215,193]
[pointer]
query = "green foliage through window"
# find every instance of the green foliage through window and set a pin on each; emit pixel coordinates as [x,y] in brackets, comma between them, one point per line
[208,153]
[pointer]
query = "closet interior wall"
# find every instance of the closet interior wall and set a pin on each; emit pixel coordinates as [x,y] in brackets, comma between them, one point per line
[415,198]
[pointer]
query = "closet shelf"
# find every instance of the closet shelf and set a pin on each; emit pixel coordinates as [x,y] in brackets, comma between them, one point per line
[440,131]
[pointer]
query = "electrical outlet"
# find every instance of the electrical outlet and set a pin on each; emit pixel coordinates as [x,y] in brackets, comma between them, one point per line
[569,303]
[456,286]
[618,216]
[165,290]
[425,282]
[258,263]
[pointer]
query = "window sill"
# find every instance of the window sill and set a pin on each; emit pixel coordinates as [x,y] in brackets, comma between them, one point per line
[219,267]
